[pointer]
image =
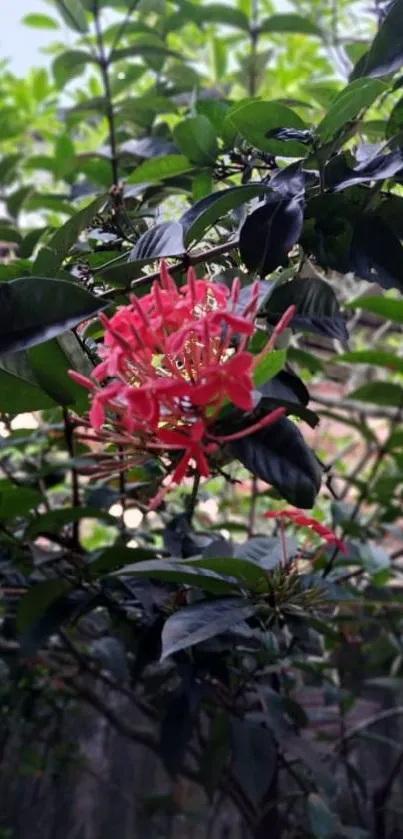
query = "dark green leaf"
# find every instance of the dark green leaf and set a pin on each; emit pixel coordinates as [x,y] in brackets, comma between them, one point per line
[379,393]
[324,823]
[207,211]
[165,239]
[269,233]
[219,13]
[18,502]
[246,571]
[196,138]
[317,309]
[254,758]
[194,624]
[376,253]
[386,52]
[348,104]
[266,551]
[19,390]
[290,23]
[305,359]
[54,520]
[8,166]
[160,168]
[34,309]
[183,574]
[17,199]
[30,241]
[66,354]
[255,120]
[73,13]
[66,236]
[69,64]
[279,456]
[38,599]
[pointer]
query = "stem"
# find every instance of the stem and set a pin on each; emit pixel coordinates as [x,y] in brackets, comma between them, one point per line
[104,67]
[191,502]
[69,437]
[254,35]
[252,508]
[121,30]
[191,259]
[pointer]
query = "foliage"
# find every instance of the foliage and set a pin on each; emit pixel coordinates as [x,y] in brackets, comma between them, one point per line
[222,138]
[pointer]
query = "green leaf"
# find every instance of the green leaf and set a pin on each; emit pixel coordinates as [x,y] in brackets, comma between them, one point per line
[348,104]
[17,199]
[160,168]
[386,53]
[18,502]
[35,309]
[66,236]
[54,520]
[73,13]
[66,354]
[324,823]
[255,120]
[376,357]
[379,393]
[269,366]
[247,572]
[68,65]
[8,166]
[19,390]
[219,13]
[305,359]
[196,138]
[39,21]
[38,599]
[9,234]
[146,51]
[207,211]
[290,23]
[182,573]
[194,624]
[30,241]
[64,156]
[388,307]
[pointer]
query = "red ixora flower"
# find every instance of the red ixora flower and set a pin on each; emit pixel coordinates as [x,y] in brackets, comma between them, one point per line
[299,518]
[170,360]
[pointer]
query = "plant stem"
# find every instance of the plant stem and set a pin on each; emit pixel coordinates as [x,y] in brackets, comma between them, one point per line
[254,35]
[104,67]
[69,437]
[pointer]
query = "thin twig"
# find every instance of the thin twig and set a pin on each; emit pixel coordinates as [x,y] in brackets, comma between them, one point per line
[69,437]
[103,62]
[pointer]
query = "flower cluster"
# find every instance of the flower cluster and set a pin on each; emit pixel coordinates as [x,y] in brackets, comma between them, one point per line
[170,361]
[299,518]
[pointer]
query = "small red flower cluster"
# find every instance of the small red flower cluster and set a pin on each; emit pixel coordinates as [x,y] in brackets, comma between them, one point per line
[170,360]
[299,518]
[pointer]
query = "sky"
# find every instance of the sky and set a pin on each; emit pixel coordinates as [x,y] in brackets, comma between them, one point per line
[21,44]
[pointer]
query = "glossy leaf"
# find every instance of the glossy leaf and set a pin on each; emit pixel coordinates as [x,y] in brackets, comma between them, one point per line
[269,233]
[317,309]
[35,309]
[67,235]
[269,366]
[18,501]
[183,574]
[206,212]
[386,52]
[360,94]
[163,240]
[376,253]
[279,456]
[248,573]
[194,624]
[378,168]
[73,13]
[255,120]
[220,13]
[196,138]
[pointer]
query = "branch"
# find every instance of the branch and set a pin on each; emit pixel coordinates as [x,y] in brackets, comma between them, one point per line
[103,62]
[189,259]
